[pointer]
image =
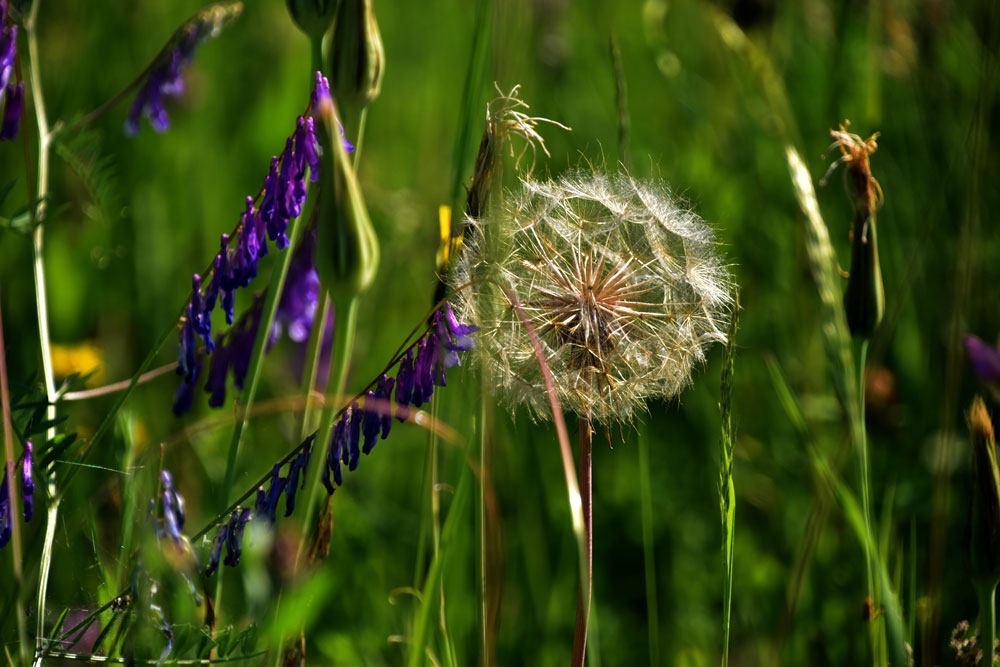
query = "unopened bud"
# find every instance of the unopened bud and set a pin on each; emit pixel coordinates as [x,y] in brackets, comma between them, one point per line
[357,55]
[864,299]
[984,517]
[313,17]
[347,251]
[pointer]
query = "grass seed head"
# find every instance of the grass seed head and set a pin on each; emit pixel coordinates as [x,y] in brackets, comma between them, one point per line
[624,286]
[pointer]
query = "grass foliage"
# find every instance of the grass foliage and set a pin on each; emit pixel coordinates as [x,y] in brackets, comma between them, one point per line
[460,541]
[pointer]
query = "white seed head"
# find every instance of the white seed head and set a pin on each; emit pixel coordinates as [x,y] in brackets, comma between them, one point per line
[624,286]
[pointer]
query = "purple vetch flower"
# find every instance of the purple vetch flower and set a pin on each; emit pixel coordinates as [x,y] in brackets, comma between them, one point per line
[8,47]
[234,535]
[404,386]
[184,395]
[266,506]
[372,424]
[321,96]
[11,91]
[218,370]
[384,393]
[334,454]
[202,313]
[173,510]
[300,295]
[307,153]
[164,80]
[12,110]
[27,483]
[985,359]
[354,439]
[216,552]
[243,268]
[298,467]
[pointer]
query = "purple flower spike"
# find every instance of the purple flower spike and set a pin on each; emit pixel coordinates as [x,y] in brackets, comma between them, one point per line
[12,110]
[216,553]
[27,483]
[234,537]
[164,80]
[372,423]
[404,386]
[5,518]
[984,358]
[202,314]
[384,393]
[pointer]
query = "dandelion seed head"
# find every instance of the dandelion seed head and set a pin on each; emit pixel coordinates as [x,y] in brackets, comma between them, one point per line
[624,286]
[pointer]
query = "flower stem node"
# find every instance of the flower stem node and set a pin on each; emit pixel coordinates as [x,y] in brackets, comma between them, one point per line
[313,17]
[357,56]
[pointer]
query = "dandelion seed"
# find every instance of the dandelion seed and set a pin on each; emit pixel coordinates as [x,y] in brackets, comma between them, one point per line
[623,285]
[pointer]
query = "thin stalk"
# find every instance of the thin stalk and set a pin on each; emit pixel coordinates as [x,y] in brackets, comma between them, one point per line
[987,620]
[12,500]
[246,399]
[345,311]
[314,351]
[481,515]
[118,386]
[41,304]
[648,558]
[587,585]
[861,438]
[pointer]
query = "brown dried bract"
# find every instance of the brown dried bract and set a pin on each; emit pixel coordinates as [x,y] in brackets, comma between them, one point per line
[855,152]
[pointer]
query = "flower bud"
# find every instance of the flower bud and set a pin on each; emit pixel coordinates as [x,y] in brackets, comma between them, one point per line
[313,17]
[984,515]
[347,250]
[864,299]
[357,55]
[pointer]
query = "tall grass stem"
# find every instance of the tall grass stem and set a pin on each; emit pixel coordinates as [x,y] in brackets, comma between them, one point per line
[648,549]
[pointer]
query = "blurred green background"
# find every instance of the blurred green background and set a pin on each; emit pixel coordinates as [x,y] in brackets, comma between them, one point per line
[121,246]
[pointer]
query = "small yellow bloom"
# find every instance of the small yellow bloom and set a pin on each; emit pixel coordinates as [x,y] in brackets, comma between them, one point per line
[83,357]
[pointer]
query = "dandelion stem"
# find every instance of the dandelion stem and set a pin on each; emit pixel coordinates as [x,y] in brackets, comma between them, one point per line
[587,583]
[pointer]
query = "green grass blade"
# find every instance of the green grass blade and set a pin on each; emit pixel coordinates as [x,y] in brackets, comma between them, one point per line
[727,488]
